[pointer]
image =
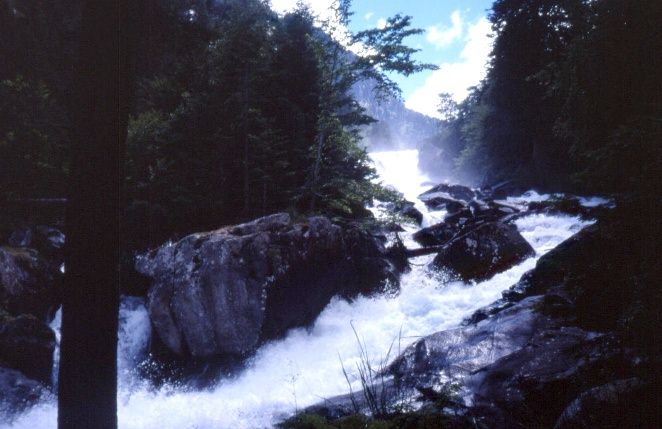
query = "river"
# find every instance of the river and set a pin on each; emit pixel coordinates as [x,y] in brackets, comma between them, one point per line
[305,367]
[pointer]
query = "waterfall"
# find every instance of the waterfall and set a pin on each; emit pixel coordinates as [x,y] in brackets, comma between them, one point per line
[303,368]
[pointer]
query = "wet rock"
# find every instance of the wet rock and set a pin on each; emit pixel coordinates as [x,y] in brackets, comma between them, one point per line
[484,251]
[491,210]
[411,212]
[223,292]
[453,354]
[27,282]
[456,192]
[452,226]
[488,311]
[441,201]
[627,403]
[17,392]
[21,237]
[435,234]
[531,386]
[593,270]
[27,344]
[560,204]
[460,219]
[503,190]
[406,209]
[466,218]
[48,241]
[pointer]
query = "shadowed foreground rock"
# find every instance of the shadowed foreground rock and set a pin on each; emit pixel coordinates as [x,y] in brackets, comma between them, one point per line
[571,345]
[221,293]
[484,251]
[17,392]
[27,282]
[27,344]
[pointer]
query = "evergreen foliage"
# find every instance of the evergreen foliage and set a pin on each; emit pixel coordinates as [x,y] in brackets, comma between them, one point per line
[250,113]
[236,112]
[572,98]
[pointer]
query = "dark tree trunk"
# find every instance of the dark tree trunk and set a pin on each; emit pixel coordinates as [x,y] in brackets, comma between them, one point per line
[88,367]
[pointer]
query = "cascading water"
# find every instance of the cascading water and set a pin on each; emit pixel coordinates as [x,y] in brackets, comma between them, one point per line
[305,367]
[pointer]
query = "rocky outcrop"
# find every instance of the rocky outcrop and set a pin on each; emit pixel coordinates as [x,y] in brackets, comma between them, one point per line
[455,192]
[27,282]
[572,345]
[603,407]
[467,210]
[569,346]
[484,251]
[531,386]
[17,392]
[27,344]
[519,367]
[454,354]
[28,293]
[440,201]
[436,234]
[407,209]
[223,292]
[47,240]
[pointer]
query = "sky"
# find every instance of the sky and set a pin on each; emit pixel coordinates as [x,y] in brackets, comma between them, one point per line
[456,38]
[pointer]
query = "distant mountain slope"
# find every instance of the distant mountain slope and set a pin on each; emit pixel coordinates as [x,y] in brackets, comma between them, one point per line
[397,127]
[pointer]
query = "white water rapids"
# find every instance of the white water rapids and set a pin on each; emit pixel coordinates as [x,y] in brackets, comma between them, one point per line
[304,367]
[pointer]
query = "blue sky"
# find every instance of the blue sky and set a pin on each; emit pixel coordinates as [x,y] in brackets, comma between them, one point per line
[456,38]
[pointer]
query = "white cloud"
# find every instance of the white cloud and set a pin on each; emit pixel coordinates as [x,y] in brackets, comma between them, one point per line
[441,37]
[456,78]
[381,23]
[368,15]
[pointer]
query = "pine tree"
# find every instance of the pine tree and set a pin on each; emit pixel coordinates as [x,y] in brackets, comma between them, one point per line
[340,174]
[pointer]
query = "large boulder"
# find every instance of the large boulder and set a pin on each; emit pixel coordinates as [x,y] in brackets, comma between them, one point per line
[435,234]
[404,209]
[456,192]
[441,201]
[513,364]
[46,240]
[531,386]
[27,344]
[27,282]
[452,198]
[454,354]
[17,392]
[503,190]
[465,219]
[484,251]
[223,292]
[407,209]
[603,407]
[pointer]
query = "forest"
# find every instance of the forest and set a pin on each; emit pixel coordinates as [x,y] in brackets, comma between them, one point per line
[234,112]
[228,100]
[590,70]
[133,126]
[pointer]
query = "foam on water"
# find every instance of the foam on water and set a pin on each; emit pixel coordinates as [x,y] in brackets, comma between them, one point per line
[304,367]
